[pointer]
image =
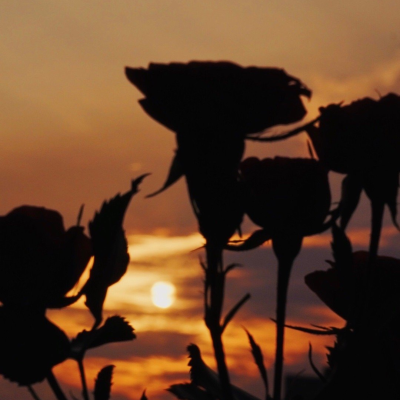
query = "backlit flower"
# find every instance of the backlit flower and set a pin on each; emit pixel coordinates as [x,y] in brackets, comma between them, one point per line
[362,140]
[40,261]
[212,106]
[341,293]
[286,196]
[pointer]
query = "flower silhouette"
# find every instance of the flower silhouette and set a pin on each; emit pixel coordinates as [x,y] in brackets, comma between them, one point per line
[212,107]
[286,196]
[362,140]
[289,198]
[341,292]
[40,260]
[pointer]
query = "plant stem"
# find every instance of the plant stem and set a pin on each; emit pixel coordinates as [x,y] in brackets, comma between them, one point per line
[32,392]
[51,379]
[377,210]
[214,297]
[83,380]
[286,250]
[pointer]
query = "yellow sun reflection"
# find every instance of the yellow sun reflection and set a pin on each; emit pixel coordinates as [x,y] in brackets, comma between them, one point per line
[163,294]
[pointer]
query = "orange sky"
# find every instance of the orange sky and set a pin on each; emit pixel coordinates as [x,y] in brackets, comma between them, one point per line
[73,132]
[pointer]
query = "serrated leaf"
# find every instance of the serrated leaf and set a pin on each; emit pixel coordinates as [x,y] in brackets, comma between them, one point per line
[350,197]
[102,387]
[115,329]
[110,250]
[259,360]
[175,173]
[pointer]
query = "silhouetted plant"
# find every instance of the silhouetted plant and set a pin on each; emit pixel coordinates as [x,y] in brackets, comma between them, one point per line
[290,199]
[364,360]
[212,107]
[41,263]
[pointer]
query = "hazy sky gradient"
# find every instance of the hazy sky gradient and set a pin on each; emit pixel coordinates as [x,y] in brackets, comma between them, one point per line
[73,132]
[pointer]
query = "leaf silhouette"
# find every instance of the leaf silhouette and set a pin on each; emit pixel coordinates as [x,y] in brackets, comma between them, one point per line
[115,329]
[203,376]
[175,173]
[110,250]
[259,360]
[102,387]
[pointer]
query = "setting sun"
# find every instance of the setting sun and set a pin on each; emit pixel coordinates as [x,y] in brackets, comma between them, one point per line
[163,294]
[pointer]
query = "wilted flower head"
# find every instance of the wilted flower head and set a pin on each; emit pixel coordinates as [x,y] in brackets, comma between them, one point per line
[212,106]
[286,196]
[40,261]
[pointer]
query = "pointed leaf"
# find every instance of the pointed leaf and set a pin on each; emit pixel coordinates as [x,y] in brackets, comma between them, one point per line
[102,388]
[175,173]
[259,360]
[110,250]
[233,311]
[351,193]
[256,239]
[115,329]
[144,397]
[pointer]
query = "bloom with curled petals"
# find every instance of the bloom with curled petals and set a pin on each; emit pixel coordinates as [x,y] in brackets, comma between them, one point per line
[40,260]
[212,107]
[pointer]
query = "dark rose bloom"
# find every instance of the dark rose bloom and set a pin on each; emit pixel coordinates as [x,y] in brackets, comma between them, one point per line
[30,345]
[361,136]
[341,294]
[286,195]
[40,261]
[212,106]
[362,140]
[219,96]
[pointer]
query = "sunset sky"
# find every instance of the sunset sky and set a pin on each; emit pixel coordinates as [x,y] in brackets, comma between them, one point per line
[73,133]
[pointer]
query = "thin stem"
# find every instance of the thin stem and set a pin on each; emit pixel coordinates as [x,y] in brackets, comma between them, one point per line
[286,250]
[32,392]
[214,288]
[51,379]
[284,269]
[83,380]
[377,209]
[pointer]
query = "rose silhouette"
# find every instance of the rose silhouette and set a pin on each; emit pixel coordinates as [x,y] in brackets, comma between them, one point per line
[212,106]
[362,140]
[289,198]
[341,293]
[286,196]
[40,260]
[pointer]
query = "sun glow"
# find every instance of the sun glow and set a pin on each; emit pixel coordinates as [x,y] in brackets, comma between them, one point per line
[163,294]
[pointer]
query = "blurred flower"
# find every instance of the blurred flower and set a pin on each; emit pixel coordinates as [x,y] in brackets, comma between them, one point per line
[40,260]
[212,106]
[341,292]
[362,140]
[286,196]
[30,346]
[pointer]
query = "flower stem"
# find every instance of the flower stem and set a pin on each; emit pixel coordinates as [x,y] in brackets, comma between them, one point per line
[377,210]
[83,379]
[51,379]
[32,392]
[286,250]
[214,297]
